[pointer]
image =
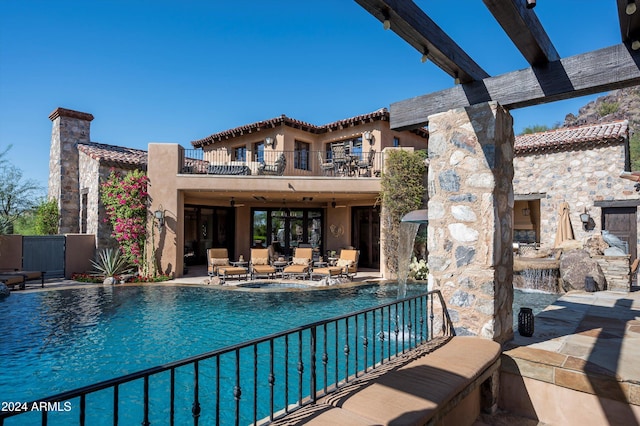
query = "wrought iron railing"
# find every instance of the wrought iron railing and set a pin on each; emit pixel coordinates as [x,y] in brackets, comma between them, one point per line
[254,382]
[282,163]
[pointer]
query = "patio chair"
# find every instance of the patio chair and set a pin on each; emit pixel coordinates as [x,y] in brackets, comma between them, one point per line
[260,264]
[325,165]
[348,262]
[339,157]
[275,169]
[300,264]
[218,265]
[366,166]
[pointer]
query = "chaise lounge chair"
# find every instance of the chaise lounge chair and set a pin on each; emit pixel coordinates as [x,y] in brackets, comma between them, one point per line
[300,264]
[346,265]
[13,281]
[218,265]
[27,275]
[260,264]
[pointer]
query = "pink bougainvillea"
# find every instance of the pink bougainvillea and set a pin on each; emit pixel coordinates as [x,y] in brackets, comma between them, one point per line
[125,201]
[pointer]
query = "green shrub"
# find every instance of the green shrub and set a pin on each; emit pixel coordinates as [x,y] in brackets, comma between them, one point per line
[606,108]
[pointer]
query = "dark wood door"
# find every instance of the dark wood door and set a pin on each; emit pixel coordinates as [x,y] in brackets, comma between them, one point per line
[621,222]
[366,236]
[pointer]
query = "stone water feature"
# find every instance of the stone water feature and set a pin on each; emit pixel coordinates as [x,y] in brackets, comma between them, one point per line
[540,274]
[409,225]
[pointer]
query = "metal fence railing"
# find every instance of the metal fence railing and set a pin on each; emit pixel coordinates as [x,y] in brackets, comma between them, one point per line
[254,382]
[283,163]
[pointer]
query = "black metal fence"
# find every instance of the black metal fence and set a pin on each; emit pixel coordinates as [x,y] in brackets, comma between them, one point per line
[283,163]
[251,383]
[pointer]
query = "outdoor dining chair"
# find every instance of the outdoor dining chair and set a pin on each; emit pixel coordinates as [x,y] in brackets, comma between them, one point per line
[339,157]
[325,165]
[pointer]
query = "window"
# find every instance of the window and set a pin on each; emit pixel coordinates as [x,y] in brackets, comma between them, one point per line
[396,141]
[301,156]
[258,149]
[240,153]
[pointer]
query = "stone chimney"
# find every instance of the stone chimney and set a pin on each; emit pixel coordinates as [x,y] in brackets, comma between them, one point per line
[69,128]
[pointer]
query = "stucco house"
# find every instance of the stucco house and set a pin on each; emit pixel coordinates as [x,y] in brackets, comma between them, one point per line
[284,183]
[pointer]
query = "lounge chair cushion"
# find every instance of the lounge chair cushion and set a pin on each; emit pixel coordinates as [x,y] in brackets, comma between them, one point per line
[218,262]
[344,262]
[300,261]
[260,261]
[232,270]
[331,271]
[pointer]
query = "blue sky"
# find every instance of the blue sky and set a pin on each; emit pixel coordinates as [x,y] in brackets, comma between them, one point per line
[169,71]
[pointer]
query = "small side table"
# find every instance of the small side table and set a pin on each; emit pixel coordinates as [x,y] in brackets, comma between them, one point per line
[279,265]
[242,263]
[320,264]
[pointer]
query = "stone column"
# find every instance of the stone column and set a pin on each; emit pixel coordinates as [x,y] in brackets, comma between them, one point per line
[69,128]
[470,217]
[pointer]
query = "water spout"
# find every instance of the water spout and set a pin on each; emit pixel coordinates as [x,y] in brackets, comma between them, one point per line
[409,225]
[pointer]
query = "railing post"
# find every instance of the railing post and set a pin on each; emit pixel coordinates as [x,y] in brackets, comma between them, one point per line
[312,361]
[237,390]
[145,421]
[195,408]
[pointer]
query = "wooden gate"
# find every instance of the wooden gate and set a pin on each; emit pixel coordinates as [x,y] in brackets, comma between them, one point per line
[44,253]
[621,222]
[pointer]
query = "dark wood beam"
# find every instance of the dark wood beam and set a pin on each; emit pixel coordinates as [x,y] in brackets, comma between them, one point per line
[629,24]
[417,29]
[524,29]
[598,71]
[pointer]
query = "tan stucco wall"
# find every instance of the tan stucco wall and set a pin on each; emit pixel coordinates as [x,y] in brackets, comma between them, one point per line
[168,240]
[79,251]
[10,251]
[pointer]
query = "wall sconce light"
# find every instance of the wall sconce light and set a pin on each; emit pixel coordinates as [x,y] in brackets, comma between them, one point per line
[585,218]
[386,23]
[368,136]
[456,78]
[159,215]
[631,7]
[270,142]
[526,211]
[425,55]
[531,4]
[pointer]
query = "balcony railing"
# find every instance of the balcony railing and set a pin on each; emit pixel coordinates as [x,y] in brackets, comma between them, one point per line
[254,382]
[283,163]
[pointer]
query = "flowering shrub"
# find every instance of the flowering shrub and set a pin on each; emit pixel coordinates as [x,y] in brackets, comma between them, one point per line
[418,269]
[125,201]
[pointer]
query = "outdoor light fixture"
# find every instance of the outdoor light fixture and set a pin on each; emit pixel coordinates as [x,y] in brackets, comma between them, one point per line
[456,79]
[269,141]
[635,45]
[526,211]
[386,24]
[531,4]
[368,136]
[631,7]
[585,218]
[425,56]
[159,215]
[333,203]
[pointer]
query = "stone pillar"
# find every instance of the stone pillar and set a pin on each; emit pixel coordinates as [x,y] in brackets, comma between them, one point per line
[69,129]
[470,217]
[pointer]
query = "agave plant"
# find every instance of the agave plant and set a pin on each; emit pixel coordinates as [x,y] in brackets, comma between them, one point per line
[109,263]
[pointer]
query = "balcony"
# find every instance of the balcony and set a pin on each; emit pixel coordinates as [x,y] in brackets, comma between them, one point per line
[354,164]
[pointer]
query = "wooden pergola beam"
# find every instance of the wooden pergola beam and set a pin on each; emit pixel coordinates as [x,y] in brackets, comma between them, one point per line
[417,29]
[598,71]
[524,29]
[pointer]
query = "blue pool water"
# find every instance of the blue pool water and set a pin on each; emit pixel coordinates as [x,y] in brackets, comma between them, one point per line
[61,340]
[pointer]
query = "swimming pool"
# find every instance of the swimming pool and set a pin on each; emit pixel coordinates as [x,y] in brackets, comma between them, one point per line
[65,339]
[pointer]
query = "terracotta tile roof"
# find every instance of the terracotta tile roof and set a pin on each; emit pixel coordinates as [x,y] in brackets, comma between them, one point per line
[283,120]
[573,137]
[115,156]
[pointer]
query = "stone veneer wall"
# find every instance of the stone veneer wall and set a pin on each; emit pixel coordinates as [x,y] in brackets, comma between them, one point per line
[470,217]
[578,177]
[69,128]
[91,175]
